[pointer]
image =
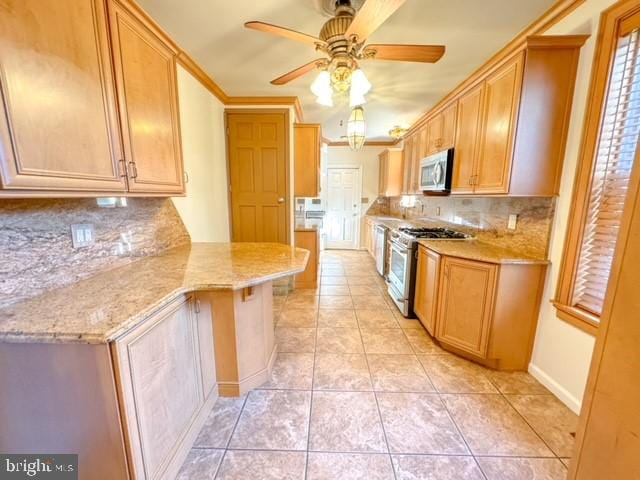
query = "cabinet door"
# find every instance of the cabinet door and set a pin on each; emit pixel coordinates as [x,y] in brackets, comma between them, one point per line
[147,92]
[500,112]
[419,148]
[465,304]
[468,126]
[307,160]
[393,176]
[383,177]
[59,129]
[308,241]
[448,127]
[434,134]
[407,162]
[159,372]
[425,301]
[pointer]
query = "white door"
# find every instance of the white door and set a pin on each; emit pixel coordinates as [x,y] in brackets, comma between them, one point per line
[344,189]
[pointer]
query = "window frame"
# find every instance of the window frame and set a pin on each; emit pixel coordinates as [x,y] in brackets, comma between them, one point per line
[614,22]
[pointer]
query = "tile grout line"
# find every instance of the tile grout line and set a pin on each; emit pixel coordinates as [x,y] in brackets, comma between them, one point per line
[375,396]
[226,447]
[313,377]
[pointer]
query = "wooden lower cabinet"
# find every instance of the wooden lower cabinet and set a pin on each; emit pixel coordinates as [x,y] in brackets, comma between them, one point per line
[162,386]
[484,311]
[425,303]
[130,409]
[369,236]
[466,301]
[309,240]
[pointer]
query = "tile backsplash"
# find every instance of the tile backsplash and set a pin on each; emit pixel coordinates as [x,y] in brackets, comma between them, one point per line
[36,253]
[484,217]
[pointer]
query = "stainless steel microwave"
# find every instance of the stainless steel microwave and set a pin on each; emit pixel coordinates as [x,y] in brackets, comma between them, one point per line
[436,171]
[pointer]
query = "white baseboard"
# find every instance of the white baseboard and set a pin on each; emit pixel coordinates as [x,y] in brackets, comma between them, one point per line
[565,397]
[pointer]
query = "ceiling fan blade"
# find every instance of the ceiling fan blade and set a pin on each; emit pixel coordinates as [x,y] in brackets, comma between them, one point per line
[298,72]
[405,53]
[372,14]
[283,32]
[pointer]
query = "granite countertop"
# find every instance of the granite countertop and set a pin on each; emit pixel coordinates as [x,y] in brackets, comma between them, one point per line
[307,224]
[471,249]
[481,251]
[103,307]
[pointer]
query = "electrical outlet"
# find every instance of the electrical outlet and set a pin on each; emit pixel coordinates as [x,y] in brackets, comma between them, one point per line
[512,222]
[82,235]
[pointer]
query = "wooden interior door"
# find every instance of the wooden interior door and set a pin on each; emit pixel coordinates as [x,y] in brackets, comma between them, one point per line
[148,96]
[59,129]
[258,165]
[466,304]
[468,129]
[426,298]
[500,113]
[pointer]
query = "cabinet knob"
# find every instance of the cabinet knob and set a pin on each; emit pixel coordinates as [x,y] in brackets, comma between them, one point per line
[281,200]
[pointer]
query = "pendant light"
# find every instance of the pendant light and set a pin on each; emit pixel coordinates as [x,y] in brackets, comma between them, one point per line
[356,128]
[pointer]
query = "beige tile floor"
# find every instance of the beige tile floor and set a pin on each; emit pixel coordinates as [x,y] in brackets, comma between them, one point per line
[359,392]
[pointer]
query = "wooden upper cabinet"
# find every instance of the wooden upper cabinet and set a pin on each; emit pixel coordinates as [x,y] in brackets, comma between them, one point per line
[468,127]
[448,126]
[147,91]
[417,153]
[465,304]
[390,177]
[426,296]
[307,160]
[501,100]
[511,125]
[407,162]
[59,128]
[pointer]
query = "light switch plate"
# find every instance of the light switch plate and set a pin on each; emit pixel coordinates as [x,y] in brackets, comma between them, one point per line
[82,235]
[512,222]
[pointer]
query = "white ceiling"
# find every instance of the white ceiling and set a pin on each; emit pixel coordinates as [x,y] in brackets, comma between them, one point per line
[243,61]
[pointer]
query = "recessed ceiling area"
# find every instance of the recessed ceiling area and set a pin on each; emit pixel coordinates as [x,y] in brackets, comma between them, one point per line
[243,61]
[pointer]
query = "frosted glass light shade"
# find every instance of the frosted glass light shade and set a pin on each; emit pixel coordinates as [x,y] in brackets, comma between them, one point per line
[321,88]
[356,128]
[360,86]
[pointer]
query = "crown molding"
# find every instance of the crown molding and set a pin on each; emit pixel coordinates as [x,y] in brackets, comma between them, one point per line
[190,65]
[559,10]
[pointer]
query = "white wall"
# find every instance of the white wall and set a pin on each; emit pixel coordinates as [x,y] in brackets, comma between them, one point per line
[562,353]
[367,158]
[204,210]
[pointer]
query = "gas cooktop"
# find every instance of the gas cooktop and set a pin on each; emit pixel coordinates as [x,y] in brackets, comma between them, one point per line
[433,233]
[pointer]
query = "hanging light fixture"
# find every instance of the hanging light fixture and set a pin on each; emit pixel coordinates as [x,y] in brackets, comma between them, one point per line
[321,88]
[356,128]
[397,132]
[360,86]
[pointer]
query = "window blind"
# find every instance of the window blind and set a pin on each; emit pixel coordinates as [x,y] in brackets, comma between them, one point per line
[615,155]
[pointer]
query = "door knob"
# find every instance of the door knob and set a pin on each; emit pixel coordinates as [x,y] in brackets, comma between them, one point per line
[281,200]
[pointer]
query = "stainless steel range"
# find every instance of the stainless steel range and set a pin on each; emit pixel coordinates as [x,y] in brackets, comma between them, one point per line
[403,248]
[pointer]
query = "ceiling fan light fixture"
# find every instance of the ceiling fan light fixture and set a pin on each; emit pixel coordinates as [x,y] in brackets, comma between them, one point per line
[325,100]
[360,83]
[360,86]
[341,78]
[356,128]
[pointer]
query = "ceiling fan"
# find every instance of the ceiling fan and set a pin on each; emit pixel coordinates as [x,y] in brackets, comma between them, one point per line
[342,39]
